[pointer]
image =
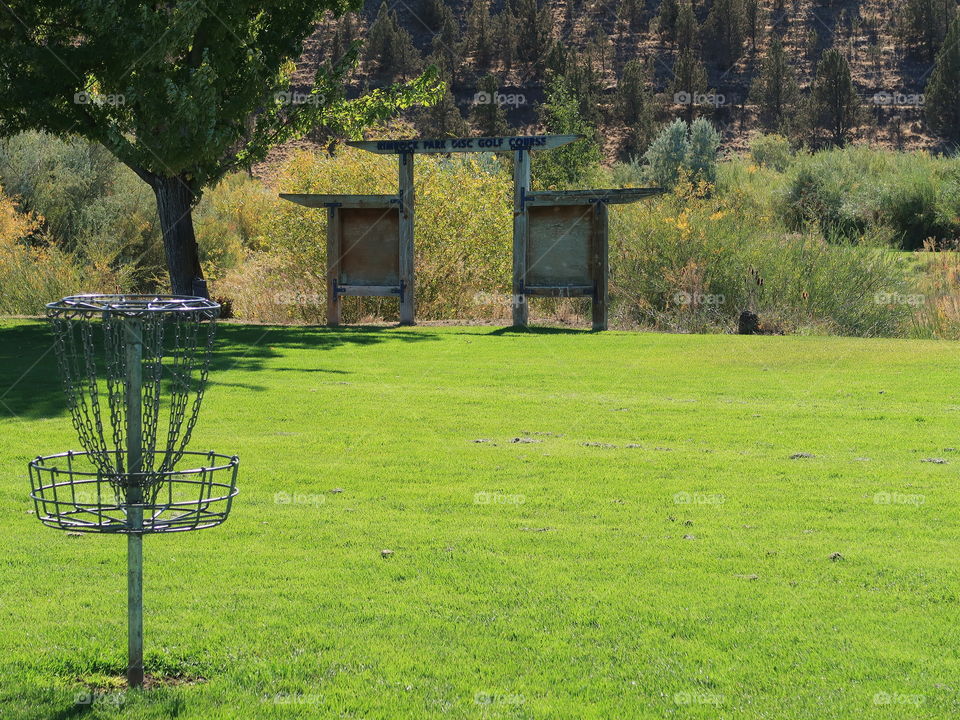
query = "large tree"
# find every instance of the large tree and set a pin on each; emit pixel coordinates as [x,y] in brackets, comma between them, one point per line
[181,92]
[775,89]
[833,104]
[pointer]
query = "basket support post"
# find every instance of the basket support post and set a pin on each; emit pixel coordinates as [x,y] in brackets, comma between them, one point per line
[134,498]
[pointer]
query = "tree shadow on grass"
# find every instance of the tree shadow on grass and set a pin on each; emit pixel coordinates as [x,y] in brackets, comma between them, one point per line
[540,330]
[30,382]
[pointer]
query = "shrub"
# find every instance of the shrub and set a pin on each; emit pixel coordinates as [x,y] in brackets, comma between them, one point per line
[668,154]
[771,151]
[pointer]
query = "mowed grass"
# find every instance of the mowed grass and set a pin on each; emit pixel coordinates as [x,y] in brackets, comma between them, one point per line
[561,576]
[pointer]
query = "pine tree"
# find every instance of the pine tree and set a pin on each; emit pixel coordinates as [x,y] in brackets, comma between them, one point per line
[927,22]
[505,34]
[534,27]
[443,119]
[689,80]
[726,29]
[689,74]
[943,91]
[389,48]
[479,36]
[834,104]
[632,12]
[488,115]
[775,89]
[636,106]
[667,18]
[431,13]
[754,20]
[560,113]
[447,48]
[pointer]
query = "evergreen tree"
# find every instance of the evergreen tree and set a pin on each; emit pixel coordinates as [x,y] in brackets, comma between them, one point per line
[926,23]
[689,74]
[447,47]
[488,115]
[726,29]
[479,39]
[754,20]
[389,48]
[943,90]
[775,88]
[560,114]
[505,34]
[636,105]
[833,104]
[443,119]
[535,29]
[667,18]
[584,81]
[431,13]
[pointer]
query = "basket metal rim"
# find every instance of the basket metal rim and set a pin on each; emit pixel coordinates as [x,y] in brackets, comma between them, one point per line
[38,464]
[132,305]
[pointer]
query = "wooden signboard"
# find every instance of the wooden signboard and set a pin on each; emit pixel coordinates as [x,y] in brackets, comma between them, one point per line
[559,238]
[363,246]
[565,246]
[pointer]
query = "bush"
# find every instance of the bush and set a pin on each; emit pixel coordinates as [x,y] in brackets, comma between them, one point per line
[680,149]
[772,151]
[668,153]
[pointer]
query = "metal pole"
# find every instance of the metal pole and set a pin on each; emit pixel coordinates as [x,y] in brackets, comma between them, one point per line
[134,356]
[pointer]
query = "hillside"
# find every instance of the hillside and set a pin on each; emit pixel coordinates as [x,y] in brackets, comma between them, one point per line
[890,62]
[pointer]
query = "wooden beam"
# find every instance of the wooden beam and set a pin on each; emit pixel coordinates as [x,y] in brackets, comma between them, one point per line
[611,196]
[521,183]
[560,291]
[506,143]
[600,266]
[333,265]
[313,200]
[407,303]
[369,290]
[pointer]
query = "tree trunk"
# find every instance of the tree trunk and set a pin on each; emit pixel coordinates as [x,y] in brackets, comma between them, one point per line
[174,205]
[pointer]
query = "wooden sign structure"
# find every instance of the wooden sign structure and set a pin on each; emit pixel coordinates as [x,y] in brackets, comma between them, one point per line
[560,244]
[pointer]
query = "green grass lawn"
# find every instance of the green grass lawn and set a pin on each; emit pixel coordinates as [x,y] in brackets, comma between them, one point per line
[647,549]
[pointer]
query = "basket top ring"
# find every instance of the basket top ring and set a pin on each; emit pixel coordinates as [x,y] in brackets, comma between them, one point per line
[133,306]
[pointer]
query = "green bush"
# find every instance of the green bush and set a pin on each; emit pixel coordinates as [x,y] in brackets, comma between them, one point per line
[772,151]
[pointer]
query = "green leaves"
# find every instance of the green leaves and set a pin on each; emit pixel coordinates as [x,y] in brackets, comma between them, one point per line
[191,89]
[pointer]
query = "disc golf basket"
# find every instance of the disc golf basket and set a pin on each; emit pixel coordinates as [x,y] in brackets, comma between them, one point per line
[134,390]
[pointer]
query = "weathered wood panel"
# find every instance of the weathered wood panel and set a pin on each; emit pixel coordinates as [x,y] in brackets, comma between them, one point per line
[559,245]
[369,246]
